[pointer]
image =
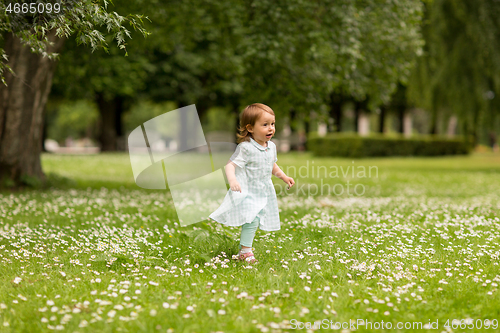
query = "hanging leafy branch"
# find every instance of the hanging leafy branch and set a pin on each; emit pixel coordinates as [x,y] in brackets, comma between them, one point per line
[83,18]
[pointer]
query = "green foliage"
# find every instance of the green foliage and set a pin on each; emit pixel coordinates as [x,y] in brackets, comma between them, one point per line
[196,52]
[146,110]
[300,51]
[82,19]
[72,119]
[459,72]
[83,74]
[381,43]
[219,119]
[288,54]
[353,145]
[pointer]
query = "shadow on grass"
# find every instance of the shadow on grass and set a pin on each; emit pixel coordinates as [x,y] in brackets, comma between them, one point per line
[204,244]
[199,246]
[56,181]
[64,183]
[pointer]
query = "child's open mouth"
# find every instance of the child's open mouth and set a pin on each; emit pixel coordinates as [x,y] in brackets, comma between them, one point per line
[269,136]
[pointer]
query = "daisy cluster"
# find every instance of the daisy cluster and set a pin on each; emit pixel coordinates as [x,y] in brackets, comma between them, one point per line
[82,260]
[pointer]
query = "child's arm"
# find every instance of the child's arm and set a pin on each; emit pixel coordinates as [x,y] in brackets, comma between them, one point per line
[231,177]
[281,175]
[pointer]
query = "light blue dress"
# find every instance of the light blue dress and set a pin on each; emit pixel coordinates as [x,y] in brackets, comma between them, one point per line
[258,196]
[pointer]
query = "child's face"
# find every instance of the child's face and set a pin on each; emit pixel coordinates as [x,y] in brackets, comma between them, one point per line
[263,130]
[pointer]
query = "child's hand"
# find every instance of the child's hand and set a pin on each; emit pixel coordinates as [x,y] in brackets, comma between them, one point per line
[235,186]
[289,181]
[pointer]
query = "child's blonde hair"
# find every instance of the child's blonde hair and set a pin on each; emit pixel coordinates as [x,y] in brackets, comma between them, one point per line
[248,117]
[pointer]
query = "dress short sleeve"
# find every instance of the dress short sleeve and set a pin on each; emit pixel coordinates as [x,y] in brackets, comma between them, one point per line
[239,156]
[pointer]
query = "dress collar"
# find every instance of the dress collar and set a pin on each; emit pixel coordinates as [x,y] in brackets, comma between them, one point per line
[256,144]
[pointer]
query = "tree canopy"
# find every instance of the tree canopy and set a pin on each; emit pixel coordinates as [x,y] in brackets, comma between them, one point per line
[290,54]
[459,73]
[80,18]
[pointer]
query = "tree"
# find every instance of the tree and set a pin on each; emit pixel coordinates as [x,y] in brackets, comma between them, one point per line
[288,54]
[281,49]
[375,47]
[233,53]
[459,73]
[106,78]
[196,61]
[189,59]
[31,43]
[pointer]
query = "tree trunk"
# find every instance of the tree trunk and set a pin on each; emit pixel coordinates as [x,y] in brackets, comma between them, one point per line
[202,110]
[492,138]
[474,137]
[401,118]
[294,145]
[357,109]
[120,136]
[22,104]
[307,125]
[381,125]
[336,102]
[434,121]
[452,126]
[465,129]
[407,124]
[363,123]
[44,135]
[110,125]
[475,128]
[307,129]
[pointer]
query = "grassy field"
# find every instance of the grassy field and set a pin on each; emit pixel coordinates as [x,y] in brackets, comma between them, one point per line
[418,246]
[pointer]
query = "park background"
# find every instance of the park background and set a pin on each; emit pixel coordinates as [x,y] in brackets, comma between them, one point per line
[83,248]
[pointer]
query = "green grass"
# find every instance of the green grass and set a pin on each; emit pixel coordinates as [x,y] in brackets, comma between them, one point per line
[99,254]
